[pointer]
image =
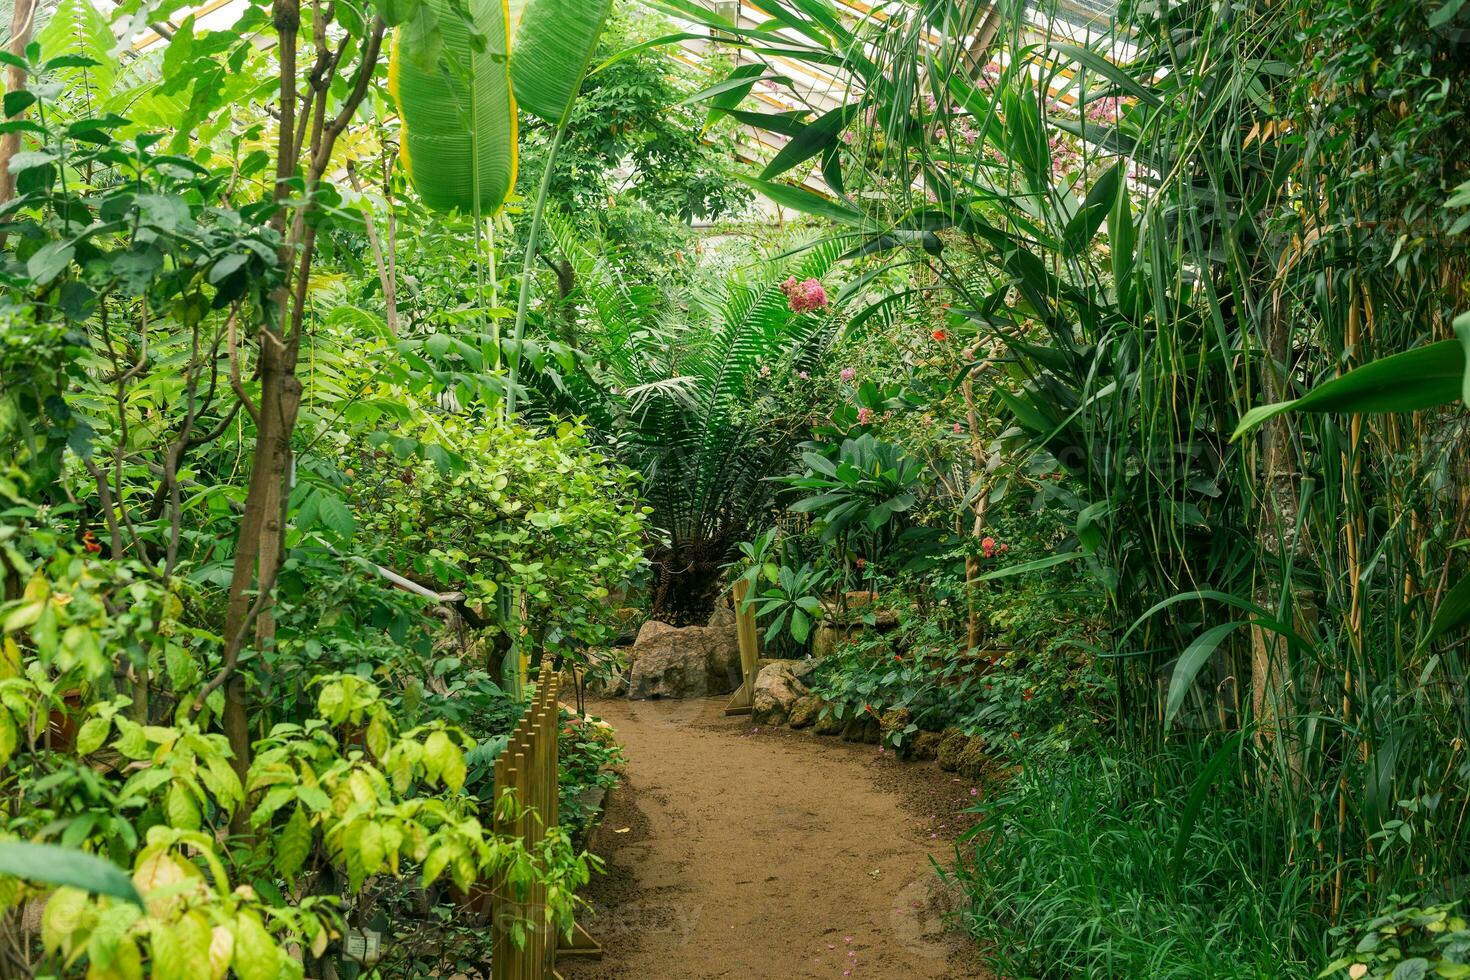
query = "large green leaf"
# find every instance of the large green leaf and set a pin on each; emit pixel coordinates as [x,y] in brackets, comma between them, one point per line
[1101,199]
[1409,382]
[554,46]
[807,202]
[1187,667]
[449,73]
[1454,612]
[64,866]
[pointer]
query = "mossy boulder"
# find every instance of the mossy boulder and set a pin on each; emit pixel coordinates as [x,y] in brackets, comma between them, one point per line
[805,711]
[828,724]
[974,759]
[892,724]
[951,743]
[862,727]
[922,746]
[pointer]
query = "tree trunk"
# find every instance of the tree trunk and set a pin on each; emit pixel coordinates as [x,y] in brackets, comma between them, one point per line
[22,20]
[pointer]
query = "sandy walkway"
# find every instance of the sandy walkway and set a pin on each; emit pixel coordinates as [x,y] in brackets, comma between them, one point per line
[733,853]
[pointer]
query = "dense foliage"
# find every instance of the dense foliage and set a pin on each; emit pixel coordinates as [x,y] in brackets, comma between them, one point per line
[1102,414]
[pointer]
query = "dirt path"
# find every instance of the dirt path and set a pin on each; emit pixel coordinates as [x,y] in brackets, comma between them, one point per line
[739,853]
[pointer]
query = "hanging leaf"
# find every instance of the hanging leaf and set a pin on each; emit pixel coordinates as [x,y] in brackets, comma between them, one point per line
[817,137]
[1187,667]
[449,73]
[1454,612]
[1101,199]
[1424,377]
[64,866]
[554,46]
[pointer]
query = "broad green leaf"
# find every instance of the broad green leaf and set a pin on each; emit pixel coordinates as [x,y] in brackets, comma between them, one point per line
[293,845]
[1029,566]
[1417,379]
[1462,330]
[48,262]
[63,866]
[1095,62]
[458,140]
[256,955]
[1187,667]
[818,136]
[807,202]
[1101,199]
[1453,613]
[553,47]
[92,734]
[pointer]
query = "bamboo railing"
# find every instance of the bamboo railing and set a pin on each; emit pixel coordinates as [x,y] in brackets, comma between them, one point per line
[528,769]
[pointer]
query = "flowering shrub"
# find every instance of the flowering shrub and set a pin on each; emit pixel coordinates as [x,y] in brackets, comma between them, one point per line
[804,296]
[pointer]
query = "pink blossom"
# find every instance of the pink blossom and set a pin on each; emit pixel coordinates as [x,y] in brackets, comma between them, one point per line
[958,428]
[805,296]
[1104,110]
[865,415]
[847,373]
[802,375]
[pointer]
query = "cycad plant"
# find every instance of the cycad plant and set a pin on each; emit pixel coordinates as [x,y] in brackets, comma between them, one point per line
[682,390]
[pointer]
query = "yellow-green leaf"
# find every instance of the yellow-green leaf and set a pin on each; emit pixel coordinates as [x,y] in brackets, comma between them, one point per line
[294,844]
[554,45]
[256,956]
[92,734]
[458,141]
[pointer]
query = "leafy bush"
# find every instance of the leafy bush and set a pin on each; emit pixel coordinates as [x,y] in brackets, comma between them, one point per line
[1404,943]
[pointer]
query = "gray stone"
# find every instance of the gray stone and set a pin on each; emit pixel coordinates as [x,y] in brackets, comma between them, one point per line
[683,662]
[776,691]
[723,615]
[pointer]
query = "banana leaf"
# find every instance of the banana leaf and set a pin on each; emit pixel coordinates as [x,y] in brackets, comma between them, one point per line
[449,73]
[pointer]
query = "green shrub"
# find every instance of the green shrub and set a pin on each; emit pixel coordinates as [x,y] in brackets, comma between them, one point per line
[1404,943]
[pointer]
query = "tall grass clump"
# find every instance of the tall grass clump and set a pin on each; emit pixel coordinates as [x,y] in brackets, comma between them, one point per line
[1095,867]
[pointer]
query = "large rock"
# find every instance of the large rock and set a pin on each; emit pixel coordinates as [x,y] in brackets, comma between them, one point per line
[683,662]
[862,727]
[829,724]
[951,744]
[723,615]
[777,689]
[924,746]
[843,622]
[974,759]
[806,711]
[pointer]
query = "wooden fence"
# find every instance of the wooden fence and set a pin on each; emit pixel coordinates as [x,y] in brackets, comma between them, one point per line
[742,701]
[528,768]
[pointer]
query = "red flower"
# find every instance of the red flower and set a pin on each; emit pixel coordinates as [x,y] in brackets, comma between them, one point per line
[940,334]
[1027,693]
[89,542]
[898,657]
[861,563]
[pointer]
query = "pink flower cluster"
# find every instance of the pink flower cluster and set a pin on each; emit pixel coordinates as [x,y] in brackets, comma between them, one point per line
[847,373]
[1104,110]
[803,297]
[991,547]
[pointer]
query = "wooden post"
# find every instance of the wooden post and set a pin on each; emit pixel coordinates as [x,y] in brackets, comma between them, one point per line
[743,700]
[529,769]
